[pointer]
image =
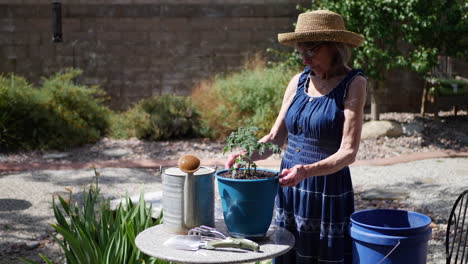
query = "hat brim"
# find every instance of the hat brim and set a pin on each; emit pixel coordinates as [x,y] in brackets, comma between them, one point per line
[343,36]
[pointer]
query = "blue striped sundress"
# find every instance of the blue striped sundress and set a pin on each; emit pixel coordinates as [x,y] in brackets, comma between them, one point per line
[316,210]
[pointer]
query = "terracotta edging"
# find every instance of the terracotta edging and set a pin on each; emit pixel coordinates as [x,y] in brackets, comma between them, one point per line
[149,163]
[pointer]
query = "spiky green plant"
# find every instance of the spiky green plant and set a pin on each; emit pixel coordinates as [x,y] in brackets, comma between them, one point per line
[95,234]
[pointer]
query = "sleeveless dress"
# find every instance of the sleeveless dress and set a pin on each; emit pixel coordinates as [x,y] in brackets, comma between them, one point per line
[316,210]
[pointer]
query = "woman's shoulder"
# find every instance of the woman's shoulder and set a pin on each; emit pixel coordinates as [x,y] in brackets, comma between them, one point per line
[357,86]
[358,75]
[296,77]
[294,80]
[293,83]
[355,77]
[358,80]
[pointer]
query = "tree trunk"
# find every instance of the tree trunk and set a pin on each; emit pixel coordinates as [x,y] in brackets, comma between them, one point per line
[424,98]
[375,108]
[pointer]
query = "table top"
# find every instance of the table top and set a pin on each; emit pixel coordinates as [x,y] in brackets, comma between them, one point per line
[277,242]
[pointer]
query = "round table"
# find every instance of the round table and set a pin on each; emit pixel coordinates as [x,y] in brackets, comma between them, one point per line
[151,242]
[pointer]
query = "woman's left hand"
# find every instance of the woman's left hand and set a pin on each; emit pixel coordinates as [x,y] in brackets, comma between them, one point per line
[291,177]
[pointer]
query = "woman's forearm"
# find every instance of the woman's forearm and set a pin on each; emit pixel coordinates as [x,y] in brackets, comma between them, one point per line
[277,137]
[332,164]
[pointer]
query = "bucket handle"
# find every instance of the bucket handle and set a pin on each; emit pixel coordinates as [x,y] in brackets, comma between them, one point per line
[391,251]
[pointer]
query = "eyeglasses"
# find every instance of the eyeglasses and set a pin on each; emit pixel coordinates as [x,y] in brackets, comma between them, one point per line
[309,52]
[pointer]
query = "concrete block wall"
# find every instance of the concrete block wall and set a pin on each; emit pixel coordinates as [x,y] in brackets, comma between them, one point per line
[139,48]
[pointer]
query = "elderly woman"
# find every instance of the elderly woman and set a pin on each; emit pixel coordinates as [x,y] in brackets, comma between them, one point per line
[321,118]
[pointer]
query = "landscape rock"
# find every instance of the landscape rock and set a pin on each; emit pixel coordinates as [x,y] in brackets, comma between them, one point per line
[381,128]
[413,128]
[30,245]
[117,152]
[56,155]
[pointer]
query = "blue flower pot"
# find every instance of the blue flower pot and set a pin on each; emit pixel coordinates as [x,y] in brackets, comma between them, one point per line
[247,204]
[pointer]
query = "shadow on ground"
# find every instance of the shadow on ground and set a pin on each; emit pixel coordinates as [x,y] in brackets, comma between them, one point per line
[453,135]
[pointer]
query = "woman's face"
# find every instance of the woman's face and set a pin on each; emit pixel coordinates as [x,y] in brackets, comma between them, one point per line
[318,56]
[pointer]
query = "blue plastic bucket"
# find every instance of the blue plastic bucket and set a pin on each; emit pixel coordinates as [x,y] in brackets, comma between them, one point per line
[247,204]
[384,236]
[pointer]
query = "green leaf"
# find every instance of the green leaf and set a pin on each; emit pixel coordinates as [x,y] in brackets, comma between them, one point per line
[245,138]
[45,259]
[74,244]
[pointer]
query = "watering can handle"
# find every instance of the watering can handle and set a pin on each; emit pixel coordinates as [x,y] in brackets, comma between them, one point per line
[391,251]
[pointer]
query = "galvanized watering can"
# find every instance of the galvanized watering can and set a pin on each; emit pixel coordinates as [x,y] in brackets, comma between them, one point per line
[188,196]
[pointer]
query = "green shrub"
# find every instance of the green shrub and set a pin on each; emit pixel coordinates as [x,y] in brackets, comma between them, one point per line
[81,107]
[126,124]
[58,115]
[445,87]
[160,118]
[21,112]
[95,234]
[121,126]
[251,97]
[285,58]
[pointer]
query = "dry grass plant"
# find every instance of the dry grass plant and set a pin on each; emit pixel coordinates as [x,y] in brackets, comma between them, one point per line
[249,97]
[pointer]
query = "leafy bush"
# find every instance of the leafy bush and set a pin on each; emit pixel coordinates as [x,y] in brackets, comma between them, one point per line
[57,115]
[251,97]
[21,111]
[285,58]
[124,125]
[445,87]
[80,107]
[159,118]
[95,234]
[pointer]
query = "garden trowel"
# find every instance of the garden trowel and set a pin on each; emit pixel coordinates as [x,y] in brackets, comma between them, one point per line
[194,242]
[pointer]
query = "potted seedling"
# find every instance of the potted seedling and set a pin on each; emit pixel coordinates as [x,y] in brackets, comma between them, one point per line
[247,192]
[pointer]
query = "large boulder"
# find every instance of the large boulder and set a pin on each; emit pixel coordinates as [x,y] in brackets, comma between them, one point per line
[381,128]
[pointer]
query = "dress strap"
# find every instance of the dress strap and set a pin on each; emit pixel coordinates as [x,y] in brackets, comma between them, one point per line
[350,78]
[303,78]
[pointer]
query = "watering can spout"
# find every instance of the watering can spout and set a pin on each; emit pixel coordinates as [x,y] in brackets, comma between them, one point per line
[189,164]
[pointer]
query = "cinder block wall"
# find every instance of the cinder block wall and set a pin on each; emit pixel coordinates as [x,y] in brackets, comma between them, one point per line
[139,48]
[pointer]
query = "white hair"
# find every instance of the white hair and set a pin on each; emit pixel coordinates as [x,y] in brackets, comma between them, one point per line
[342,55]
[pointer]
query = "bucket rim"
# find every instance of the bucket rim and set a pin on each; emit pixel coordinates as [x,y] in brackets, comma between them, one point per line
[247,180]
[428,220]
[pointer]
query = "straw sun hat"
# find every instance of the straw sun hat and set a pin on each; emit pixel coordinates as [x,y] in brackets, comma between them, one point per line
[320,25]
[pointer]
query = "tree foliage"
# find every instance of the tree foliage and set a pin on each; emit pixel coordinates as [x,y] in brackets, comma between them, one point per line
[403,34]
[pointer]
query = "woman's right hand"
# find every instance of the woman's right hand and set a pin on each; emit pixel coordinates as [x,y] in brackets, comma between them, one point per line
[231,160]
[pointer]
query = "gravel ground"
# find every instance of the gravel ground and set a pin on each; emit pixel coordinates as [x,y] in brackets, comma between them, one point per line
[25,196]
[426,186]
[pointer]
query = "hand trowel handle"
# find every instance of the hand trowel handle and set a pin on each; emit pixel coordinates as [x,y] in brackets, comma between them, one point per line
[233,243]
